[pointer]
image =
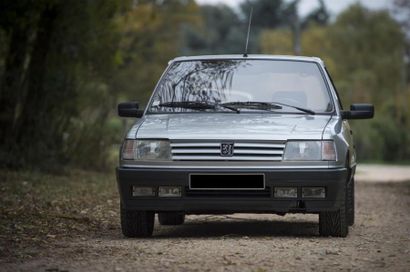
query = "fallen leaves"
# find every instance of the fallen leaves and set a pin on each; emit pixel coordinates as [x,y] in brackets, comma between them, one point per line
[38,209]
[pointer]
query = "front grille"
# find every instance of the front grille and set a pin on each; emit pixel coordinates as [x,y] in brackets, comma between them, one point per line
[242,151]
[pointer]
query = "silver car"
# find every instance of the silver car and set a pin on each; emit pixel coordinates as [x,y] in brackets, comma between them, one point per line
[233,133]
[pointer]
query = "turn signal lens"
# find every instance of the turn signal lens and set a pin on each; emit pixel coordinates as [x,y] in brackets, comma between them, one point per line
[128,151]
[328,151]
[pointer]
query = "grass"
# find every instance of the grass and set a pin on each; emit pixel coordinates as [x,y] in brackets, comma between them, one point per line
[38,209]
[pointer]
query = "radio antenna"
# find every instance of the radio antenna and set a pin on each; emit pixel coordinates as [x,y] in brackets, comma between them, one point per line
[247,35]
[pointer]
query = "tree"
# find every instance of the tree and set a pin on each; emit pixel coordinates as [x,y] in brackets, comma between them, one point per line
[221,31]
[368,47]
[151,35]
[319,16]
[276,42]
[291,29]
[364,51]
[67,42]
[15,20]
[267,13]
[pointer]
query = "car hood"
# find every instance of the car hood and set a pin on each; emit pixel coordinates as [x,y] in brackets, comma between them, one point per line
[233,126]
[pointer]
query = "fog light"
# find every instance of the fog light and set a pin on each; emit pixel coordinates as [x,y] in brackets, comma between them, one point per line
[168,191]
[143,191]
[285,192]
[313,192]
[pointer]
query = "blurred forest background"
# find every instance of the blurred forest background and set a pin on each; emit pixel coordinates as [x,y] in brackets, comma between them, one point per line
[64,65]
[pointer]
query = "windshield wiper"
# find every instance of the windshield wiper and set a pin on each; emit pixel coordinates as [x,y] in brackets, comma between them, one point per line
[195,105]
[254,105]
[265,106]
[295,107]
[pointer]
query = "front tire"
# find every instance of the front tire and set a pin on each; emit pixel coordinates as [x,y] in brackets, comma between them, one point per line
[171,218]
[137,223]
[350,203]
[333,223]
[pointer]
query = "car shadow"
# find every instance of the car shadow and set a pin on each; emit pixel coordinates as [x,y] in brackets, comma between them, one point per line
[238,228]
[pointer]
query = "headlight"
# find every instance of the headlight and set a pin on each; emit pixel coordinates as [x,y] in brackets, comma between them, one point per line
[146,150]
[310,151]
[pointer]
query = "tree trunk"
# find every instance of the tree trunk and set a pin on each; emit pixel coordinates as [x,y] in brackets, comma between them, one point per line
[11,83]
[33,121]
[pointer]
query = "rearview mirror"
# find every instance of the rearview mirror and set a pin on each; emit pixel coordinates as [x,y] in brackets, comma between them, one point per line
[129,109]
[359,111]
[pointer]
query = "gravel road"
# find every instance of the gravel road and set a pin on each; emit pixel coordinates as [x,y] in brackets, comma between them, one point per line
[379,241]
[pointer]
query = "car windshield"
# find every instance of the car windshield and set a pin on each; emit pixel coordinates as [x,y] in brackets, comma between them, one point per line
[242,86]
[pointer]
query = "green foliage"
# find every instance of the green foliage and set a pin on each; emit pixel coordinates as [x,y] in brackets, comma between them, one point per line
[277,42]
[369,57]
[64,65]
[73,43]
[221,31]
[364,52]
[268,13]
[371,47]
[150,35]
[224,30]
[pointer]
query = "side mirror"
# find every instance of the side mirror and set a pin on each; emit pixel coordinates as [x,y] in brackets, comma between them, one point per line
[129,109]
[359,111]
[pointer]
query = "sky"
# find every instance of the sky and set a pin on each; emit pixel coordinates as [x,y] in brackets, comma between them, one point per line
[305,6]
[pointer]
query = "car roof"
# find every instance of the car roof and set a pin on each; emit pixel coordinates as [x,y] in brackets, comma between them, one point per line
[250,56]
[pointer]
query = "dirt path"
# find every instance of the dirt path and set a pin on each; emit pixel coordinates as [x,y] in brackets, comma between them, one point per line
[382,173]
[379,241]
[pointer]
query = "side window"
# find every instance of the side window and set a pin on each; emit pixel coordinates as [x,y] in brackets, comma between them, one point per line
[334,86]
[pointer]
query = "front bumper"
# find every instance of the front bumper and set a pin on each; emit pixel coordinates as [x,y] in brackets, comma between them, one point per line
[334,180]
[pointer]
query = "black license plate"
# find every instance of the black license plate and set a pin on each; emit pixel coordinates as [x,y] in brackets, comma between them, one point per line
[226,181]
